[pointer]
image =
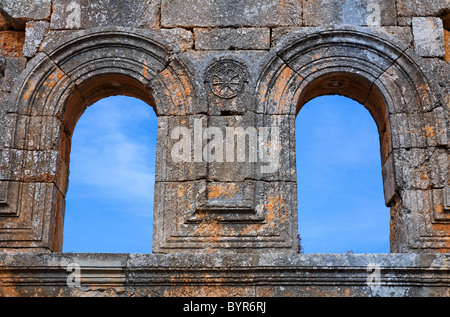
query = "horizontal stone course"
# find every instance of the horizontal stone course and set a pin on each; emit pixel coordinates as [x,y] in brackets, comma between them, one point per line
[421,7]
[349,12]
[232,39]
[235,64]
[81,14]
[223,13]
[225,275]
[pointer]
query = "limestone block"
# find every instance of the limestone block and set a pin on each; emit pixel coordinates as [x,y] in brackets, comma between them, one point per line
[34,35]
[225,79]
[430,230]
[27,9]
[404,21]
[397,33]
[182,225]
[349,12]
[446,194]
[179,153]
[33,132]
[81,14]
[428,37]
[174,92]
[420,7]
[219,13]
[437,71]
[421,169]
[277,158]
[232,38]
[238,138]
[13,67]
[419,130]
[227,201]
[441,208]
[34,166]
[183,38]
[32,216]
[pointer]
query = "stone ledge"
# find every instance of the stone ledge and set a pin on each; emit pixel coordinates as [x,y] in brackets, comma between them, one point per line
[47,274]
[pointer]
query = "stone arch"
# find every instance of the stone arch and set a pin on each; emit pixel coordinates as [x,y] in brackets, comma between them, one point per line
[72,71]
[386,78]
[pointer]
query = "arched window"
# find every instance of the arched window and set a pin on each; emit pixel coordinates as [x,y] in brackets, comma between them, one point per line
[340,187]
[109,204]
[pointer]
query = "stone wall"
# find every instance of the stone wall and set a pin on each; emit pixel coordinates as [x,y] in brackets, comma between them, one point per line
[217,66]
[219,275]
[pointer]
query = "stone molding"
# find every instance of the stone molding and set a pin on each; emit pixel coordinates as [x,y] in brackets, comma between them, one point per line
[248,275]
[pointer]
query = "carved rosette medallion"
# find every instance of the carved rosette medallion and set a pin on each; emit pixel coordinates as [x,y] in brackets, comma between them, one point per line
[226,78]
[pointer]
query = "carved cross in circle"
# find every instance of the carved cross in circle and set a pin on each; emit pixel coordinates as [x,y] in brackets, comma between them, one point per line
[226,78]
[226,83]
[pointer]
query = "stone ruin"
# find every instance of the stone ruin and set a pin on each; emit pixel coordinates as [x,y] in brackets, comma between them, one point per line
[224,226]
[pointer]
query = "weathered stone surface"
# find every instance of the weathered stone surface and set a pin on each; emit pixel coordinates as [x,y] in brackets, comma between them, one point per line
[34,35]
[192,226]
[11,43]
[419,130]
[349,12]
[389,184]
[183,38]
[34,166]
[428,232]
[265,275]
[398,33]
[80,14]
[207,65]
[13,67]
[232,39]
[238,159]
[40,228]
[437,70]
[428,37]
[32,133]
[219,13]
[421,168]
[27,9]
[421,7]
[175,134]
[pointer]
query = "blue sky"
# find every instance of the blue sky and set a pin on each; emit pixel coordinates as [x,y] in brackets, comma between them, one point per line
[340,188]
[109,206]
